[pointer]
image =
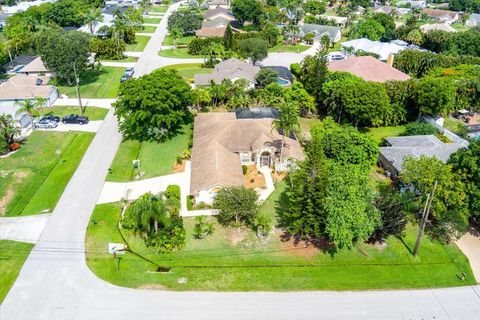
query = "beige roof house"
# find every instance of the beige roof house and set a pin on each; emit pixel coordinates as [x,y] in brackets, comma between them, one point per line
[441,15]
[232,69]
[219,13]
[368,68]
[437,26]
[35,67]
[21,87]
[222,142]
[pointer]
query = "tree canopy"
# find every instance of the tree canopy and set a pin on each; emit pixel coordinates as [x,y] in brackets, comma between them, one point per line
[247,10]
[186,21]
[255,49]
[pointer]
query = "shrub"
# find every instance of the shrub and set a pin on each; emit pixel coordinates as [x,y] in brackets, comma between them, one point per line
[262,225]
[108,48]
[190,202]
[173,192]
[419,128]
[202,228]
[237,205]
[244,169]
[296,69]
[197,46]
[14,146]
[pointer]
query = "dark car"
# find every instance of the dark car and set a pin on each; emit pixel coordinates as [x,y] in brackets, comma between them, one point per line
[51,117]
[75,118]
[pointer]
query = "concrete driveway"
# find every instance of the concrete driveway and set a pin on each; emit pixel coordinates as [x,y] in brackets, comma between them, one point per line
[100,103]
[25,229]
[91,126]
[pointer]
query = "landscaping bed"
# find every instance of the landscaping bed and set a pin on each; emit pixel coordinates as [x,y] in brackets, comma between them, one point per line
[12,256]
[236,260]
[33,179]
[103,84]
[93,113]
[156,159]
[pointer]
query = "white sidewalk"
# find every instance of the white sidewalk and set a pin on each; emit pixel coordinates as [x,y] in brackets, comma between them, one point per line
[265,193]
[25,228]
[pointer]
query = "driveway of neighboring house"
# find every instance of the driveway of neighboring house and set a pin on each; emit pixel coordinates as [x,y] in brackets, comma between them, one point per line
[91,126]
[25,229]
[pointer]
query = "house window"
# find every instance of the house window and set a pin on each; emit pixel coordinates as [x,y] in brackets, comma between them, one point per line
[245,157]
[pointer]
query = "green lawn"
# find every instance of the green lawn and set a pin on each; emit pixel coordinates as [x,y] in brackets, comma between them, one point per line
[189,70]
[378,134]
[140,43]
[158,9]
[147,29]
[12,256]
[152,20]
[101,84]
[33,179]
[181,53]
[183,41]
[232,260]
[156,159]
[126,59]
[452,124]
[93,113]
[288,48]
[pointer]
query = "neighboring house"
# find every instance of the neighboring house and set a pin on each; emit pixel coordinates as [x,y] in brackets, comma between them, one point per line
[368,68]
[445,16]
[215,23]
[412,4]
[319,31]
[108,17]
[224,141]
[22,87]
[438,27]
[36,68]
[232,69]
[219,22]
[3,19]
[383,49]
[219,13]
[385,9]
[473,126]
[225,4]
[392,157]
[18,63]
[473,20]
[341,21]
[206,32]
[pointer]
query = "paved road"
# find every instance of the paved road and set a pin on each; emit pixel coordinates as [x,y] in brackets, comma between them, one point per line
[25,229]
[55,282]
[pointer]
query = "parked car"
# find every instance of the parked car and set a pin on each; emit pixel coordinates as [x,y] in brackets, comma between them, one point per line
[130,72]
[50,117]
[335,56]
[75,118]
[46,124]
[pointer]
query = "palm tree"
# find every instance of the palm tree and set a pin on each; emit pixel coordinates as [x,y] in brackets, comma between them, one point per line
[287,123]
[28,106]
[175,33]
[92,17]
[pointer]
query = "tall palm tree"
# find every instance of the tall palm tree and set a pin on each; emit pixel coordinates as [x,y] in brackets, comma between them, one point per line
[287,123]
[28,106]
[92,17]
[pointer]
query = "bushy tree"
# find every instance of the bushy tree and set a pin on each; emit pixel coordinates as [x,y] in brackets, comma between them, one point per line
[186,21]
[265,77]
[247,10]
[388,24]
[314,7]
[237,205]
[228,38]
[435,96]
[297,95]
[154,106]
[255,49]
[449,212]
[313,73]
[8,131]
[419,128]
[370,29]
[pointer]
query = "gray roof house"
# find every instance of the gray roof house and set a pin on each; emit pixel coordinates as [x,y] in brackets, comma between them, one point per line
[232,69]
[393,156]
[473,20]
[334,33]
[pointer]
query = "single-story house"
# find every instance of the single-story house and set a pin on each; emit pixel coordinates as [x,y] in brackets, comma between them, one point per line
[392,157]
[334,33]
[225,4]
[17,63]
[219,13]
[22,87]
[368,68]
[224,141]
[36,68]
[385,9]
[232,69]
[445,16]
[341,21]
[383,49]
[108,17]
[473,20]
[206,32]
[218,22]
[412,4]
[437,27]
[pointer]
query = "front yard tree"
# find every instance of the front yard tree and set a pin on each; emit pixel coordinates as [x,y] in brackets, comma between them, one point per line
[62,52]
[287,123]
[435,95]
[265,77]
[297,95]
[154,106]
[29,107]
[449,212]
[255,49]
[186,21]
[237,205]
[313,72]
[8,131]
[246,10]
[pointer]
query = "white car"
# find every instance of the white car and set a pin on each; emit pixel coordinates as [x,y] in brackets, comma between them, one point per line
[335,56]
[46,124]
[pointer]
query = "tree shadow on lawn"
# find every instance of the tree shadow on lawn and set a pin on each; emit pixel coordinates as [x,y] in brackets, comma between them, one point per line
[88,77]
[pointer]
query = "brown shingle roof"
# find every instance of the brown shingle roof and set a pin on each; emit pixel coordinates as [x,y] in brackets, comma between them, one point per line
[211,32]
[34,66]
[437,13]
[228,69]
[219,11]
[217,137]
[368,68]
[25,87]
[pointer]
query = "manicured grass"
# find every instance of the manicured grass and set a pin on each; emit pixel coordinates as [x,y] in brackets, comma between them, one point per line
[249,264]
[181,53]
[126,59]
[93,113]
[378,134]
[183,41]
[33,179]
[158,9]
[288,48]
[306,124]
[12,256]
[189,70]
[147,29]
[156,159]
[152,20]
[452,124]
[101,84]
[140,43]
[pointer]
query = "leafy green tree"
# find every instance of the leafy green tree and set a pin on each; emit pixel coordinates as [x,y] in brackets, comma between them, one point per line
[287,123]
[419,128]
[203,228]
[246,10]
[414,37]
[314,7]
[298,96]
[66,13]
[435,40]
[466,162]
[435,96]
[270,33]
[228,38]
[187,21]
[202,98]
[8,131]
[236,205]
[92,18]
[149,217]
[265,76]
[64,52]
[255,49]
[371,29]
[449,213]
[29,107]
[154,106]
[175,33]
[402,101]
[108,48]
[388,23]
[313,73]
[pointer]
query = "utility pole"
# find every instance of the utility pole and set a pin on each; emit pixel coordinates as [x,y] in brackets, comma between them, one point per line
[77,82]
[423,222]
